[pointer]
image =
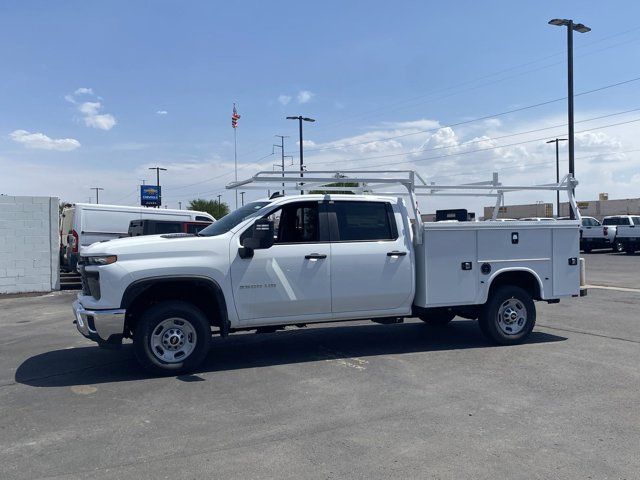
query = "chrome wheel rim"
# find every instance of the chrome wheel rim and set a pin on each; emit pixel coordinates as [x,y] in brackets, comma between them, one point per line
[173,340]
[512,316]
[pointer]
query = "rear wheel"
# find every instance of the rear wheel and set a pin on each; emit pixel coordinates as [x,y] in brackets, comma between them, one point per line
[437,317]
[586,248]
[171,338]
[618,246]
[509,315]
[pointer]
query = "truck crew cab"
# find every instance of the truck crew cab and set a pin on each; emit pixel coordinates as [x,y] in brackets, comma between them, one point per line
[316,258]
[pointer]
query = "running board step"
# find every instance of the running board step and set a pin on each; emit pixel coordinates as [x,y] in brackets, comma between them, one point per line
[388,320]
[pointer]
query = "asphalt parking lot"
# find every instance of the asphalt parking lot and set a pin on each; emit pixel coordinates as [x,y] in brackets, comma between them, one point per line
[356,400]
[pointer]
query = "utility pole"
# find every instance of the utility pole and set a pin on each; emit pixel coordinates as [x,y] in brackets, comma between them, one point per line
[142,180]
[180,205]
[281,146]
[556,141]
[242,197]
[97,189]
[157,169]
[219,200]
[300,119]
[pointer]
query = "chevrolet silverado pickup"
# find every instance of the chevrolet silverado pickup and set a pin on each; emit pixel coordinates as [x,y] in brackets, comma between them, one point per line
[301,259]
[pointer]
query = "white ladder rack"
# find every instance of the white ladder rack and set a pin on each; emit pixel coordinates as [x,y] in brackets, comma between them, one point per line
[409,182]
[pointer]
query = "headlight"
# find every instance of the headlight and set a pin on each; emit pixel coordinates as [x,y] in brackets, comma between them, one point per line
[101,260]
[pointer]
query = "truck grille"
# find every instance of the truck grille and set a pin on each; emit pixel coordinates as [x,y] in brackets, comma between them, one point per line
[90,283]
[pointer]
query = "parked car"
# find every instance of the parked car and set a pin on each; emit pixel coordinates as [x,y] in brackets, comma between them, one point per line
[593,234]
[538,219]
[87,223]
[158,227]
[330,258]
[627,236]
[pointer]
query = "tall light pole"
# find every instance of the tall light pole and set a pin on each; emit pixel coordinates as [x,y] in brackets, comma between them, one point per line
[242,197]
[556,141]
[578,27]
[219,196]
[97,189]
[301,119]
[157,169]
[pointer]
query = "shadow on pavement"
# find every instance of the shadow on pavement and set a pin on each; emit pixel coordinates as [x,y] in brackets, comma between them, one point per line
[92,365]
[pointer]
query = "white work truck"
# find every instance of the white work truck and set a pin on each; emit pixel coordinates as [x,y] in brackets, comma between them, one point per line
[301,259]
[627,231]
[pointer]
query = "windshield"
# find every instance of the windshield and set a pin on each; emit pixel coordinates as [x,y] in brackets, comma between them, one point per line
[229,221]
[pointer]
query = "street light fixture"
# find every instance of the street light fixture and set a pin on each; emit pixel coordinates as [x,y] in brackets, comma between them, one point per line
[556,141]
[301,119]
[580,28]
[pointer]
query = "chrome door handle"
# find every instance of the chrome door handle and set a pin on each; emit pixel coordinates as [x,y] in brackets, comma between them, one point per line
[396,253]
[315,256]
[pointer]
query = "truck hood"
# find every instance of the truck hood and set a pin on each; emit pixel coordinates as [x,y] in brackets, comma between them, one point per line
[152,245]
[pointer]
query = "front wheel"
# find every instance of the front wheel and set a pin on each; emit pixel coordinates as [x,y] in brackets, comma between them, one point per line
[171,338]
[618,247]
[509,315]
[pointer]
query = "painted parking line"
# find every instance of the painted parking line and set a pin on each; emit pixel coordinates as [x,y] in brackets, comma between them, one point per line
[619,289]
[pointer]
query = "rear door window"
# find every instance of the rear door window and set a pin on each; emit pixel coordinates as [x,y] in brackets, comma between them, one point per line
[636,220]
[364,221]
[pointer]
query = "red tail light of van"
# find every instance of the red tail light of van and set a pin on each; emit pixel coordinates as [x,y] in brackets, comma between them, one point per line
[74,246]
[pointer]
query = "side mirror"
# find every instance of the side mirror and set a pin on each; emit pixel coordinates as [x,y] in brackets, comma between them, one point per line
[260,237]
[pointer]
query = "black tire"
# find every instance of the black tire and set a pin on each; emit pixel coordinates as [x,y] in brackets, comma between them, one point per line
[437,317]
[519,301]
[618,247]
[586,248]
[147,331]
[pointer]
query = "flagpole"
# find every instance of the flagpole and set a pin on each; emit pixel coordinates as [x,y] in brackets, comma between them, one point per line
[235,160]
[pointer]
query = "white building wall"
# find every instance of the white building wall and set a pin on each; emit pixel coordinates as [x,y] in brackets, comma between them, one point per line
[29,244]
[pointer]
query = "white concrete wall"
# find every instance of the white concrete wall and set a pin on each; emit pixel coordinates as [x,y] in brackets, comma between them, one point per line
[29,244]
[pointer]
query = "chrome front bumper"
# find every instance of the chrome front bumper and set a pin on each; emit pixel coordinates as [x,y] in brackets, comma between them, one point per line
[102,326]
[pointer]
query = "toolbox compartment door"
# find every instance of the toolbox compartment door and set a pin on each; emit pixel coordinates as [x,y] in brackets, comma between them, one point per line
[566,277]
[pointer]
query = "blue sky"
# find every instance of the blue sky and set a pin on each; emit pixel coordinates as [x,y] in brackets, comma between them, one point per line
[365,70]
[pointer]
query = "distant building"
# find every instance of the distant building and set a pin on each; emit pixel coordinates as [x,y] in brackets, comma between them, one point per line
[521,211]
[604,207]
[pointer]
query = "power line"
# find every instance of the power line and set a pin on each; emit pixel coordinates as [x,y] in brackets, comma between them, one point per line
[411,100]
[526,166]
[488,148]
[343,119]
[473,120]
[485,139]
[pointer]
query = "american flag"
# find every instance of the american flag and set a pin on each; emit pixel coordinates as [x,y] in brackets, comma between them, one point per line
[235,117]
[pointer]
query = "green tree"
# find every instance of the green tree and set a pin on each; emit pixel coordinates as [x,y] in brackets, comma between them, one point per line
[338,184]
[212,207]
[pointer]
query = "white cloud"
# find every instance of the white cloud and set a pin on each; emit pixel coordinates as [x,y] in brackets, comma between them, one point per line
[93,119]
[284,99]
[162,112]
[305,96]
[91,110]
[83,91]
[43,142]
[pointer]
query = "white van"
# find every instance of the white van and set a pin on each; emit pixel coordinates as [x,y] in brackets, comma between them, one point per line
[85,223]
